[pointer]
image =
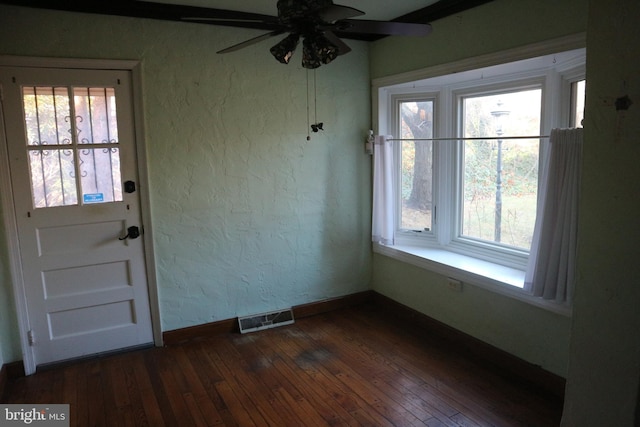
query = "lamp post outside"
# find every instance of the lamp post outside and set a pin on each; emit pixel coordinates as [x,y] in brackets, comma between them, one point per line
[498,114]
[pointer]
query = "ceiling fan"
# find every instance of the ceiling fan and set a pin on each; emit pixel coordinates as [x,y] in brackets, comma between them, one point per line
[316,22]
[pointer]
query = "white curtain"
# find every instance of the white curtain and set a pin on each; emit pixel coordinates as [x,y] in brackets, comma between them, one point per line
[383,221]
[551,269]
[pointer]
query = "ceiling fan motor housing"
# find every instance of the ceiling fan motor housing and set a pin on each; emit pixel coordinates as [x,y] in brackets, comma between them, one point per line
[292,11]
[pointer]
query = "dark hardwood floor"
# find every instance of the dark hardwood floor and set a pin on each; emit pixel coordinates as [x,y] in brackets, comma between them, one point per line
[350,367]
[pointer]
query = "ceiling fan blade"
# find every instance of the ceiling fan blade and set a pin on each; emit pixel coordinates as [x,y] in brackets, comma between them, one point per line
[390,28]
[250,42]
[216,20]
[342,46]
[336,12]
[259,24]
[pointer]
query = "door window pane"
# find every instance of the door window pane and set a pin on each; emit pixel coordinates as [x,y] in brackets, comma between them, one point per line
[416,178]
[100,173]
[46,114]
[52,178]
[96,121]
[56,145]
[500,176]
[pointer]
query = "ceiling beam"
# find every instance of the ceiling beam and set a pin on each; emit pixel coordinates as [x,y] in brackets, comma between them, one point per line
[440,9]
[426,15]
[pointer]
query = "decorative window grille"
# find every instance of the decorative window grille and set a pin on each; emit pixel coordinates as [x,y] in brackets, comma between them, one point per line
[72,144]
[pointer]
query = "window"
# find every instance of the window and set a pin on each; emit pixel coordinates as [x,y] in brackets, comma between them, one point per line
[468,149]
[416,176]
[499,177]
[72,142]
[577,102]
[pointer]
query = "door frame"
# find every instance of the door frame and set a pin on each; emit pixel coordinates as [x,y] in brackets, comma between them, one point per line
[8,208]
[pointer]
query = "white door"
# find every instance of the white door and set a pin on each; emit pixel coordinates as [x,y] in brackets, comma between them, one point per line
[70,139]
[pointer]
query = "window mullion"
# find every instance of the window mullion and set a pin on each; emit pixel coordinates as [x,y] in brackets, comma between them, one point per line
[444,174]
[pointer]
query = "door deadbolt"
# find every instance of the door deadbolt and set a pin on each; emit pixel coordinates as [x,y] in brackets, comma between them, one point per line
[129,187]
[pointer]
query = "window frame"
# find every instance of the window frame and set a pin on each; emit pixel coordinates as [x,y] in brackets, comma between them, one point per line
[491,251]
[552,73]
[396,124]
[573,117]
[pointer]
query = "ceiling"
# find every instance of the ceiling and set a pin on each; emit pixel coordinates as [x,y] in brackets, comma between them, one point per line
[419,11]
[375,9]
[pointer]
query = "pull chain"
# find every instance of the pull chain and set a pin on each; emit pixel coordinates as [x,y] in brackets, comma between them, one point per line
[308,120]
[315,97]
[317,126]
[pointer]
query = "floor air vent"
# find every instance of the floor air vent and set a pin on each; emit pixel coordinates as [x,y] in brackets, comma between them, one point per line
[258,322]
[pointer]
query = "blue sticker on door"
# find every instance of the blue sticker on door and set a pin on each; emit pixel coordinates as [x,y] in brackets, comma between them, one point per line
[93,198]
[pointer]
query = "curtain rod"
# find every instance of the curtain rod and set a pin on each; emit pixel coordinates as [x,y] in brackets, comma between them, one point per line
[475,138]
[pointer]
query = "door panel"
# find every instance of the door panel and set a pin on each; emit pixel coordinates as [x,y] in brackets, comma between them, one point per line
[71,145]
[96,278]
[79,237]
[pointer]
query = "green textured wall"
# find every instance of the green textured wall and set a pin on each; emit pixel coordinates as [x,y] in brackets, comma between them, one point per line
[538,336]
[533,334]
[604,367]
[248,215]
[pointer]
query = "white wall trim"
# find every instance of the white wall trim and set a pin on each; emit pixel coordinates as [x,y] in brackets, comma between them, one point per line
[145,202]
[6,193]
[13,245]
[71,63]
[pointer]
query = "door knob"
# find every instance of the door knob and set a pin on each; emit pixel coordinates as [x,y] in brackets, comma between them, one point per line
[133,232]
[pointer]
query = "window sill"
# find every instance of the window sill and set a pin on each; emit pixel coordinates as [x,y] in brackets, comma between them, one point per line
[471,271]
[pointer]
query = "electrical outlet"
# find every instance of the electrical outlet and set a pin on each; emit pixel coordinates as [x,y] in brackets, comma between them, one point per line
[454,285]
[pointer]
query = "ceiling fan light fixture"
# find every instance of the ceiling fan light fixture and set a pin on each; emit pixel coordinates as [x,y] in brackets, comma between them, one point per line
[318,50]
[283,51]
[310,59]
